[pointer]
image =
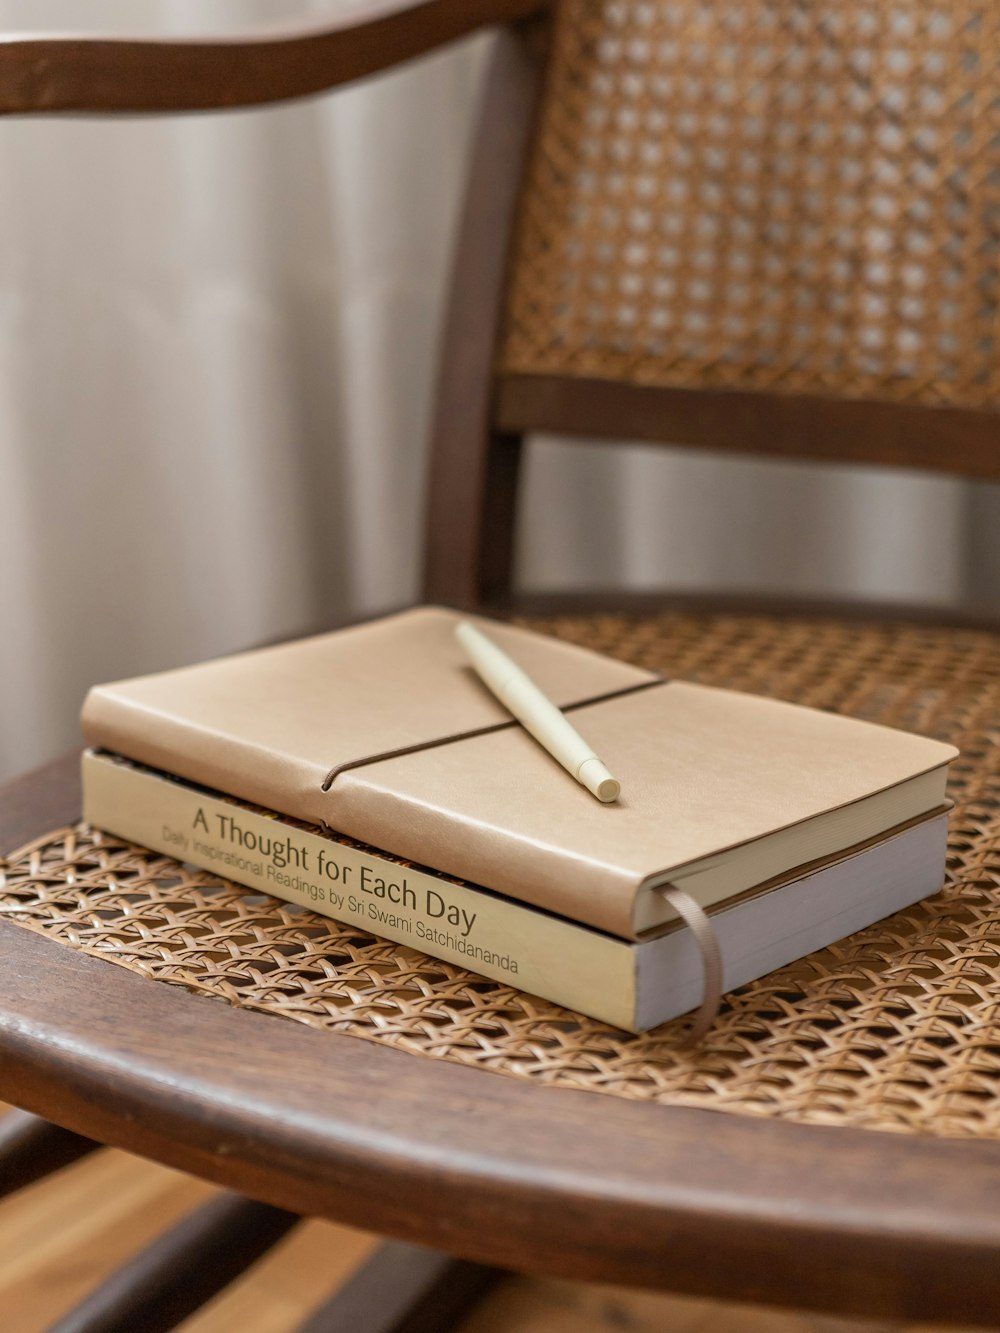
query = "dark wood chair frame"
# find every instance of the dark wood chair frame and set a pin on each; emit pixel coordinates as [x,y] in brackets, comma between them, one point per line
[487,1168]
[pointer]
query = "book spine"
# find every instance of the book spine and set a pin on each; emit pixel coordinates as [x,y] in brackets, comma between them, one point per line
[192,752]
[548,956]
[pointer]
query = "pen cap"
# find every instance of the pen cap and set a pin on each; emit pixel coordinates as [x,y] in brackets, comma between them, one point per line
[493,665]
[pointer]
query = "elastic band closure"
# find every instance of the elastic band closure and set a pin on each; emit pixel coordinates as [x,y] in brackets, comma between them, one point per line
[694,917]
[335,772]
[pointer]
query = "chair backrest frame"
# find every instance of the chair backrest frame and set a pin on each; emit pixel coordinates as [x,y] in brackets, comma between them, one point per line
[474,466]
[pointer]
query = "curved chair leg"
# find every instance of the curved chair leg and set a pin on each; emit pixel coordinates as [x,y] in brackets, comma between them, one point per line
[31,1149]
[405,1289]
[182,1269]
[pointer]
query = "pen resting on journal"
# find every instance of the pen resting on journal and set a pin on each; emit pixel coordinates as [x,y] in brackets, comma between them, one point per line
[537,714]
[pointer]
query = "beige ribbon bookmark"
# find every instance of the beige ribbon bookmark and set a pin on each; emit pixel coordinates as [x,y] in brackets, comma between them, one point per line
[695,918]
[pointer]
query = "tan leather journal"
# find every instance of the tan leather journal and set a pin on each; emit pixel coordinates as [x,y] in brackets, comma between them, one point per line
[720,791]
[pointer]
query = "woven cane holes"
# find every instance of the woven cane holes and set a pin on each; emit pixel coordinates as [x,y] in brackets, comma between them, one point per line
[751,195]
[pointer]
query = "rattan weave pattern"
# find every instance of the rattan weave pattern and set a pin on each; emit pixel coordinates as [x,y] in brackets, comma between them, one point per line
[897,1028]
[766,195]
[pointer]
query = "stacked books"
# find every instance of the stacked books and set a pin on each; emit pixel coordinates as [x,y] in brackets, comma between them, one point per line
[369,774]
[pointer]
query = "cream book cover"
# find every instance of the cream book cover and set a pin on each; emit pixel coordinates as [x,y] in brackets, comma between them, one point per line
[720,790]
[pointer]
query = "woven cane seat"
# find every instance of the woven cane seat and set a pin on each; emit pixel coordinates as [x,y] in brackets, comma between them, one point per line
[896,1028]
[747,194]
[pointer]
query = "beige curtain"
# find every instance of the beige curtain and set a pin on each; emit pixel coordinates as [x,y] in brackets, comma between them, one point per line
[216,344]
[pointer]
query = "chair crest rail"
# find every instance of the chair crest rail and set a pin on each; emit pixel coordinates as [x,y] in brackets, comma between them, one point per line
[117,73]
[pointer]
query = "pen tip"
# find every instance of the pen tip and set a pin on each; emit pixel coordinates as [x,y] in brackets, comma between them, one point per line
[596,778]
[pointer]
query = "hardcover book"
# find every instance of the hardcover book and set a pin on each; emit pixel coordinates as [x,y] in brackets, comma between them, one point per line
[632,984]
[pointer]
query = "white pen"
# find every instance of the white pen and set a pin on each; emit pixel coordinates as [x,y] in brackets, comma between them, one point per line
[518,693]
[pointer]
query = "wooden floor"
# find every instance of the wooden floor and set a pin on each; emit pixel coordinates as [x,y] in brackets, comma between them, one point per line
[61,1236]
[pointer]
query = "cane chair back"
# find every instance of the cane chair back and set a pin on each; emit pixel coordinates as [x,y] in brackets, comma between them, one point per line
[773,197]
[756,225]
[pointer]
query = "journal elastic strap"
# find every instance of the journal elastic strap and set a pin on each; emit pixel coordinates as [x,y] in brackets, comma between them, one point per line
[335,772]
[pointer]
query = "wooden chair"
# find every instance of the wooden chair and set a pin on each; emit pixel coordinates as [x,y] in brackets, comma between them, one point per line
[745,226]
